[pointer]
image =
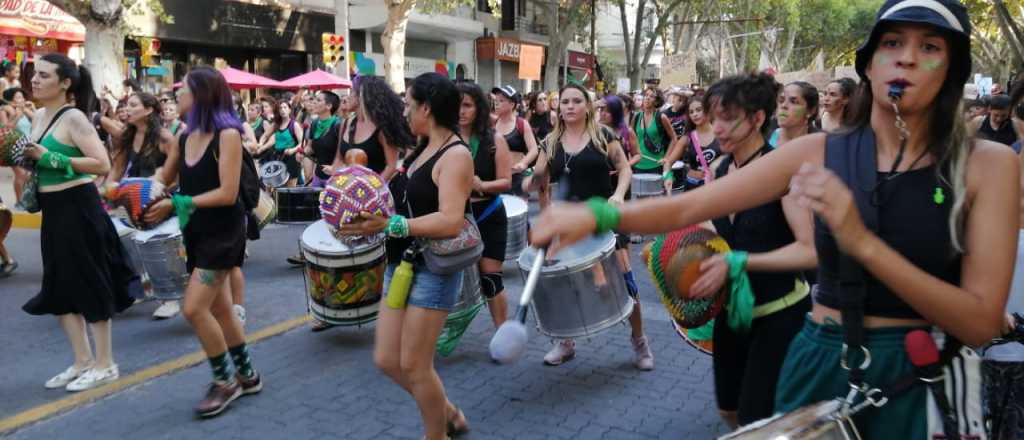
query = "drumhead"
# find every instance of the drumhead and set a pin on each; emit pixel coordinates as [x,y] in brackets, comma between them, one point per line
[514,206]
[320,247]
[578,256]
[647,177]
[272,168]
[169,229]
[123,230]
[678,165]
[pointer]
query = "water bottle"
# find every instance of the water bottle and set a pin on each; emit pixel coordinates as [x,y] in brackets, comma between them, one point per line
[401,281]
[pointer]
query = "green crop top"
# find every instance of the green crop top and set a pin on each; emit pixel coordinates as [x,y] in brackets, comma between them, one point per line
[49,176]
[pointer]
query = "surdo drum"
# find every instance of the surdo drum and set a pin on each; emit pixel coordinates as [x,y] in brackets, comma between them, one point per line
[344,281]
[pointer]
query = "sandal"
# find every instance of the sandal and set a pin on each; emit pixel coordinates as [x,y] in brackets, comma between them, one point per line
[6,269]
[455,430]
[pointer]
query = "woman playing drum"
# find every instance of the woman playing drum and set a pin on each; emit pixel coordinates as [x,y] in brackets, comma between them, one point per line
[492,166]
[436,187]
[932,261]
[208,163]
[85,270]
[322,145]
[580,155]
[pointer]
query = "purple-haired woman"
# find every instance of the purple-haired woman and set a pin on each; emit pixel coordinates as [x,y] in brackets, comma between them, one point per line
[208,164]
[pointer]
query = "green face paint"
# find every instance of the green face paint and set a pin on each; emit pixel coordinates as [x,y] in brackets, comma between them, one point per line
[883,58]
[736,125]
[931,65]
[799,112]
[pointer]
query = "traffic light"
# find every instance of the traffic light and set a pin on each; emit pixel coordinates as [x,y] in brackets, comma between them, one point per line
[334,49]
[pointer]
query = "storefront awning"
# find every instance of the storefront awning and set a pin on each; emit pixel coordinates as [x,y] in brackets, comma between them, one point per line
[39,19]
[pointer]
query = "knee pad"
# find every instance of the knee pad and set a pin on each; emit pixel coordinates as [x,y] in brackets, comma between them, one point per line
[491,284]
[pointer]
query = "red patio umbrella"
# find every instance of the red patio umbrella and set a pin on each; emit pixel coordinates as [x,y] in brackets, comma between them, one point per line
[240,80]
[316,80]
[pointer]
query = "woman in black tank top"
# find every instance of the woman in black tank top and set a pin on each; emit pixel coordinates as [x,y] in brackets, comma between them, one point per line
[209,164]
[431,199]
[854,183]
[322,146]
[583,155]
[517,132]
[379,128]
[144,142]
[492,167]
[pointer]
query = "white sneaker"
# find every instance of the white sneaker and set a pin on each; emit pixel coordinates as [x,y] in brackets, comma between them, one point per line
[644,360]
[240,313]
[94,378]
[167,309]
[563,352]
[63,379]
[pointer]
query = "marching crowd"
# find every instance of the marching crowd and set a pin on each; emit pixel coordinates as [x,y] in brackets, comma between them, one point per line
[926,230]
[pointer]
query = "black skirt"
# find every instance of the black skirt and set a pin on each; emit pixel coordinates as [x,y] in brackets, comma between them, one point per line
[85,269]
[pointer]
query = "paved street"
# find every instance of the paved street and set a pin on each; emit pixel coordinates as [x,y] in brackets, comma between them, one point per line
[325,384]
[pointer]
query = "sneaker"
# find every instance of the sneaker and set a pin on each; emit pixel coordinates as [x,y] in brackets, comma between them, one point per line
[93,378]
[250,385]
[8,268]
[240,313]
[296,260]
[644,360]
[563,352]
[63,379]
[167,309]
[217,399]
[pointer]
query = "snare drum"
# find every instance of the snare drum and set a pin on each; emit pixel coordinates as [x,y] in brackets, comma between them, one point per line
[266,209]
[274,174]
[581,291]
[162,253]
[820,421]
[343,282]
[137,288]
[647,185]
[678,176]
[298,205]
[516,209]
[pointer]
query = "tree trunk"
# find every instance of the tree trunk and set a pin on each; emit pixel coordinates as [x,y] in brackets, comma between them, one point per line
[393,40]
[104,56]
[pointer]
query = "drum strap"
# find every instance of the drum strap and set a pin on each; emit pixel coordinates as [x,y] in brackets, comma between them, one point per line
[490,210]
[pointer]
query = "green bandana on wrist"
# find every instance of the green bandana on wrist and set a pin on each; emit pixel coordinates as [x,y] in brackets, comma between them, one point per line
[183,208]
[741,296]
[606,216]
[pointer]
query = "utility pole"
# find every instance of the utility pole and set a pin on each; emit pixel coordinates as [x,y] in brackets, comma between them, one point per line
[341,28]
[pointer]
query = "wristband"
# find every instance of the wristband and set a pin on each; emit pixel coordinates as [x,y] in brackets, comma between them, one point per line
[740,305]
[528,172]
[57,161]
[606,216]
[668,176]
[183,208]
[398,227]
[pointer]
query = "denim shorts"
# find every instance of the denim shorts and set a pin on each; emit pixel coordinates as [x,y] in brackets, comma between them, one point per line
[429,290]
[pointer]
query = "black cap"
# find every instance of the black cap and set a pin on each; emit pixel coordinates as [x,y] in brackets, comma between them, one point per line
[949,15]
[508,91]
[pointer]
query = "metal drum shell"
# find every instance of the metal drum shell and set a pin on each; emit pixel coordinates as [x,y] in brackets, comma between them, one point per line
[163,259]
[568,302]
[126,234]
[647,185]
[679,174]
[817,421]
[274,174]
[322,251]
[298,205]
[517,210]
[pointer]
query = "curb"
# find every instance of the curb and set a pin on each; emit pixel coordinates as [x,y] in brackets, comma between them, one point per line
[25,220]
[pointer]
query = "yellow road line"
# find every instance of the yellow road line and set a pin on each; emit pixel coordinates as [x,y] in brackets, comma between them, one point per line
[74,400]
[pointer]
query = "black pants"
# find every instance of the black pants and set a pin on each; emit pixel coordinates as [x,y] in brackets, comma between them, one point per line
[747,365]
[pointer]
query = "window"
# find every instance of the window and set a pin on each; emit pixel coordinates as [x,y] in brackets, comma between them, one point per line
[484,6]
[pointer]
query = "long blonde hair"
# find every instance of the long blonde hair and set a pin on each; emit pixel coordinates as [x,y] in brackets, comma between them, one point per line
[553,141]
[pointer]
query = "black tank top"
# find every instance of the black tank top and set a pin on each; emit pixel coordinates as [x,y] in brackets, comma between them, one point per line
[376,160]
[1005,135]
[516,141]
[711,152]
[760,229]
[202,177]
[541,125]
[484,166]
[325,148]
[586,171]
[910,221]
[144,165]
[678,120]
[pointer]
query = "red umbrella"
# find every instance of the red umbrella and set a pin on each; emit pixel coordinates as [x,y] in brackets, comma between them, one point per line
[316,80]
[240,80]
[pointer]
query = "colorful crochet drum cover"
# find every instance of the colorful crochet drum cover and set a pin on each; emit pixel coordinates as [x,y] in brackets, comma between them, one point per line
[674,262]
[134,195]
[12,148]
[351,190]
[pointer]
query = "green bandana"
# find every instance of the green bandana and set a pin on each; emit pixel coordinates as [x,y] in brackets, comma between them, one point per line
[257,124]
[474,145]
[741,297]
[322,125]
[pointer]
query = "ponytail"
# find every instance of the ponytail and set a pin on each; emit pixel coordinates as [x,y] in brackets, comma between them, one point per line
[81,81]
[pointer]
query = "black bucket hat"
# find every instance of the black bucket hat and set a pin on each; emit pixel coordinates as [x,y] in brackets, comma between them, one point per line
[948,15]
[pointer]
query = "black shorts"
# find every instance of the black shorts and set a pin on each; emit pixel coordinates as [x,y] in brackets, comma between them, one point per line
[219,249]
[747,365]
[493,229]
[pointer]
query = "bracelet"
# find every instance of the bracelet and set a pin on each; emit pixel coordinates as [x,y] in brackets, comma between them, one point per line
[668,176]
[398,227]
[57,161]
[528,172]
[606,216]
[183,208]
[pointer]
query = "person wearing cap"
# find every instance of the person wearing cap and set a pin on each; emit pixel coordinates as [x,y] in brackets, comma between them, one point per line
[925,260]
[517,133]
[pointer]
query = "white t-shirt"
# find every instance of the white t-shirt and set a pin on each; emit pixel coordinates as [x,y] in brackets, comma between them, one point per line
[1013,352]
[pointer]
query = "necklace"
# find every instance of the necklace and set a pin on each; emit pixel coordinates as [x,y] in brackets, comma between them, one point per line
[759,152]
[570,156]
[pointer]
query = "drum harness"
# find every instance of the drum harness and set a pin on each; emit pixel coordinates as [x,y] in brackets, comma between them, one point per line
[853,160]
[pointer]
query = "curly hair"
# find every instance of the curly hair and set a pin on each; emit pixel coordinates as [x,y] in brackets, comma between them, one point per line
[151,138]
[482,123]
[385,109]
[748,93]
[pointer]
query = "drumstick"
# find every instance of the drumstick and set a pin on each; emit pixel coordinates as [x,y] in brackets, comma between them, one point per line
[509,342]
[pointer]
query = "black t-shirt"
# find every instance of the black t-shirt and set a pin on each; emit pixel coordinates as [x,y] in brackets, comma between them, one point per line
[325,147]
[678,120]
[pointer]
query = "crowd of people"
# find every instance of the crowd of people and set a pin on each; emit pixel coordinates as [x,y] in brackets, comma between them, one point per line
[766,165]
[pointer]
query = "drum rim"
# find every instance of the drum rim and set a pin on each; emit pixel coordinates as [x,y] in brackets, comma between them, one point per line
[526,261]
[298,190]
[364,249]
